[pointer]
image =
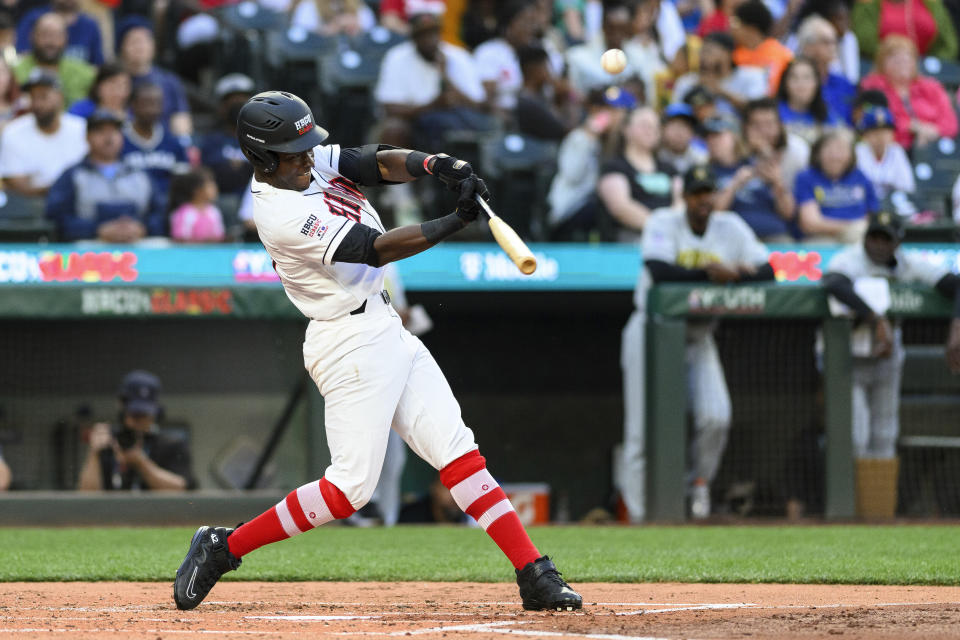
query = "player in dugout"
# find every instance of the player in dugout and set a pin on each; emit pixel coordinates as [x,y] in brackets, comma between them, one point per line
[693,243]
[329,248]
[876,375]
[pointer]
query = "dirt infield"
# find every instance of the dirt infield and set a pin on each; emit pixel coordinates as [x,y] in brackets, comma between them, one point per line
[477,611]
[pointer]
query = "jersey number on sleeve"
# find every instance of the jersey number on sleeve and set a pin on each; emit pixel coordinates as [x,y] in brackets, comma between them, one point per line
[347,202]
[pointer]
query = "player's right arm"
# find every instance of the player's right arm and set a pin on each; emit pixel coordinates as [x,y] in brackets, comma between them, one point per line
[366,245]
[840,286]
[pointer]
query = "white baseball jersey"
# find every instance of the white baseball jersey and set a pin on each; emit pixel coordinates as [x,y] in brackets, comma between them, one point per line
[854,263]
[667,237]
[301,230]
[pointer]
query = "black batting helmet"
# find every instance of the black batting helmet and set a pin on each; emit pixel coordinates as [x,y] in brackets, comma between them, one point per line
[276,122]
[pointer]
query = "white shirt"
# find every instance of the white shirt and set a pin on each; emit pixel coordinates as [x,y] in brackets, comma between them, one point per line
[670,29]
[911,267]
[407,79]
[667,237]
[892,172]
[301,230]
[795,158]
[25,150]
[496,61]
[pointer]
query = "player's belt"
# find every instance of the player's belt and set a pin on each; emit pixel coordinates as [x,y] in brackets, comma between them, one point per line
[383,294]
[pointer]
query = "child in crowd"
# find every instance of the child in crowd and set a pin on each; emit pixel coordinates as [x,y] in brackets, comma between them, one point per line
[194,215]
[881,159]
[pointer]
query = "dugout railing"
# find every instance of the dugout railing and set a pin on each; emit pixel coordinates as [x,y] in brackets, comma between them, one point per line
[669,307]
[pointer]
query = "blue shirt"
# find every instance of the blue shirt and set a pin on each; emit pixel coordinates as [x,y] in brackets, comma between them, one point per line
[789,116]
[174,97]
[158,156]
[754,202]
[221,153]
[838,93]
[83,36]
[849,198]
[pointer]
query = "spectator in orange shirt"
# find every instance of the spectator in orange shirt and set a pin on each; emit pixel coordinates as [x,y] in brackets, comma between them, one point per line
[750,27]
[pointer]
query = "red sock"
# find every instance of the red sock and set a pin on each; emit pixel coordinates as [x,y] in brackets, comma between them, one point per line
[312,505]
[479,495]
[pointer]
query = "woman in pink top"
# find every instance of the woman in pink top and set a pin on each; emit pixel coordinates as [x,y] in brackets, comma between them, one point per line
[922,110]
[195,217]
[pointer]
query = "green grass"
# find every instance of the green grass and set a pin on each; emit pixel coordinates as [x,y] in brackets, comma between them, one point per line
[802,554]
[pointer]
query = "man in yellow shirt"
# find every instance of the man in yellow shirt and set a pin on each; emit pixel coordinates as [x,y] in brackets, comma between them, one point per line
[48,42]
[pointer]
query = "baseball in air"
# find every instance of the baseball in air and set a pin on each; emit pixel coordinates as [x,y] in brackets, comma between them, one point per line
[613,61]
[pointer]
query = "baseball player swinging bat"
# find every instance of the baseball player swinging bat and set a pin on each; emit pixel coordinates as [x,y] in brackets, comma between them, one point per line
[509,241]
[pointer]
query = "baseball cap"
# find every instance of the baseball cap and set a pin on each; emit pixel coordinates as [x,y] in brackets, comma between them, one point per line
[139,392]
[41,78]
[233,83]
[886,222]
[875,117]
[619,97]
[104,116]
[680,110]
[699,96]
[720,124]
[127,24]
[424,21]
[698,179]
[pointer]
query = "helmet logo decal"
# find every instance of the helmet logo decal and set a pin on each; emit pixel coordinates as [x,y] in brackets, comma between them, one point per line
[256,139]
[304,124]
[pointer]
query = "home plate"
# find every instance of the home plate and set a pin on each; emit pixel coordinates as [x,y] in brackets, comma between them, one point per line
[310,618]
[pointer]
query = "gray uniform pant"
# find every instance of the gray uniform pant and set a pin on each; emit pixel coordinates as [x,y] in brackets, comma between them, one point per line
[876,404]
[709,402]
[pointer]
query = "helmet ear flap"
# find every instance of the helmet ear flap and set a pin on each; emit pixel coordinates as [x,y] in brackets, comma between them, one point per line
[263,159]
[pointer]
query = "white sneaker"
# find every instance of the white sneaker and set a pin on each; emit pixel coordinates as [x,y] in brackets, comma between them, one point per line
[700,500]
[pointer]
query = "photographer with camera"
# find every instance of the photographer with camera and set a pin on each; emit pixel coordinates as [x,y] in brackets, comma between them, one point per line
[134,454]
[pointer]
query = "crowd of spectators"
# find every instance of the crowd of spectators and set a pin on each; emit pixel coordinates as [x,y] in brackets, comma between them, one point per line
[810,112]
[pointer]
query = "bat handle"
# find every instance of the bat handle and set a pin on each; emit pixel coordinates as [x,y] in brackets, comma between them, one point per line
[486,208]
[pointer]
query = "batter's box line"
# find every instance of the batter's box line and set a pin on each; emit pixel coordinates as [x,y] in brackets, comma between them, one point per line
[501,628]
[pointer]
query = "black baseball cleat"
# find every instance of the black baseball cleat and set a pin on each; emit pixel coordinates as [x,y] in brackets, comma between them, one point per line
[209,558]
[542,588]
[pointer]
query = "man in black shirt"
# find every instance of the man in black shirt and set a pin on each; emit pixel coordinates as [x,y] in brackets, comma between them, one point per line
[135,454]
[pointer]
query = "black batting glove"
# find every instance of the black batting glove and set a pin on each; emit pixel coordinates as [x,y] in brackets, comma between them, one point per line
[451,171]
[467,206]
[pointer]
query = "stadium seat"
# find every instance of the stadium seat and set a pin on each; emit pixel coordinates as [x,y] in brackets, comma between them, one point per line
[379,39]
[347,77]
[947,72]
[520,169]
[249,15]
[294,56]
[242,40]
[23,219]
[936,167]
[350,68]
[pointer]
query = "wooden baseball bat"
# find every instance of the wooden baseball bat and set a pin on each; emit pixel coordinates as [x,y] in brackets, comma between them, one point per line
[509,241]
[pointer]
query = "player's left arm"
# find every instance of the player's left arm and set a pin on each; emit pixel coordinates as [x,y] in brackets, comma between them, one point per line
[378,165]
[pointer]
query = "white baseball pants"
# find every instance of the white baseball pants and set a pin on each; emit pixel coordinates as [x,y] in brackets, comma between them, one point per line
[373,376]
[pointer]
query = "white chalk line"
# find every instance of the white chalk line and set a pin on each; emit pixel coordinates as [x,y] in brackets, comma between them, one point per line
[502,628]
[319,618]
